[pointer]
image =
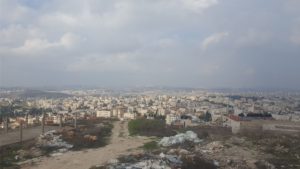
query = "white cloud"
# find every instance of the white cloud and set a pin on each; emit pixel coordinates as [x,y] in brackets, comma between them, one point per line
[68,40]
[15,35]
[198,5]
[104,63]
[213,39]
[58,18]
[253,37]
[37,45]
[155,39]
[166,43]
[33,45]
[11,11]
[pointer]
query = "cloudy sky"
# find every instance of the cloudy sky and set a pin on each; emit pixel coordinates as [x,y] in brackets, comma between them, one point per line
[187,43]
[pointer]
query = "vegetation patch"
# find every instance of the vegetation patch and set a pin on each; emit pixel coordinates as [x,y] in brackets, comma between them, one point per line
[88,135]
[145,127]
[285,148]
[152,145]
[197,163]
[13,153]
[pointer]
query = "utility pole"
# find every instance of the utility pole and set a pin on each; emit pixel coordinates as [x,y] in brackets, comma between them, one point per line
[6,124]
[26,120]
[60,120]
[21,132]
[75,121]
[43,123]
[227,110]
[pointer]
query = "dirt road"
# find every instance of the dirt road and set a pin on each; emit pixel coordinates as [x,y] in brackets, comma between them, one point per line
[121,143]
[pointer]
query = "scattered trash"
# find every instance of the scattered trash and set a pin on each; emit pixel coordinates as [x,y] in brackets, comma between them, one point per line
[180,138]
[53,139]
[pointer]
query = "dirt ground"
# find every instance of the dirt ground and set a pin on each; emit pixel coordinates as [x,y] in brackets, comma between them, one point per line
[29,133]
[120,144]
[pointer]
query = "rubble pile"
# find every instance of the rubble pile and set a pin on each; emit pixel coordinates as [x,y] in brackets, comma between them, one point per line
[163,161]
[53,139]
[151,163]
[213,147]
[179,151]
[180,138]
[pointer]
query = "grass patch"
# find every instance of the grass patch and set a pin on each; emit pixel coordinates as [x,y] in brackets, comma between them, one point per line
[152,145]
[147,127]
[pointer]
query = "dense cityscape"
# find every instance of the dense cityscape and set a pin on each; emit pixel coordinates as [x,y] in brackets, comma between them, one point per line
[195,107]
[213,115]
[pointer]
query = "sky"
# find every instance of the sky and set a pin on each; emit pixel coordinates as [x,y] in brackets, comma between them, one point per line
[179,43]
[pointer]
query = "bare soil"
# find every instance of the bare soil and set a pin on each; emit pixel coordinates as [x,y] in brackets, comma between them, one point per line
[120,144]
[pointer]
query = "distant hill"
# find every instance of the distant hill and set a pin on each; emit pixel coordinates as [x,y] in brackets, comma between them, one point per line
[42,94]
[29,93]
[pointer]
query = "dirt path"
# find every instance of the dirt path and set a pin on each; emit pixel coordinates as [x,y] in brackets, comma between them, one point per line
[121,143]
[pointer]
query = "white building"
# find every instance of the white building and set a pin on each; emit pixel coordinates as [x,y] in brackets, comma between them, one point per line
[170,118]
[104,113]
[129,116]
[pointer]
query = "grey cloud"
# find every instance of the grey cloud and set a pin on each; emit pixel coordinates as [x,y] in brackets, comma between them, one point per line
[197,43]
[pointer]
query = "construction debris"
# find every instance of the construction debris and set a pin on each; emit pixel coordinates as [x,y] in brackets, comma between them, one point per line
[213,147]
[179,139]
[146,161]
[53,139]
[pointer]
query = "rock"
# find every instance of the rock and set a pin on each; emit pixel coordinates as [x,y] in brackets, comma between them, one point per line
[56,154]
[174,160]
[183,152]
[162,155]
[17,157]
[216,163]
[114,161]
[229,161]
[172,151]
